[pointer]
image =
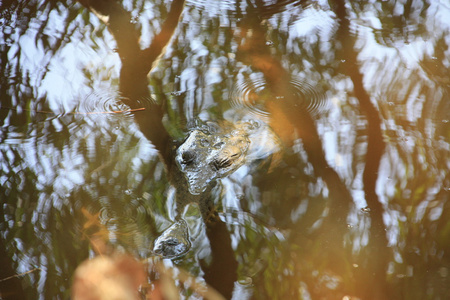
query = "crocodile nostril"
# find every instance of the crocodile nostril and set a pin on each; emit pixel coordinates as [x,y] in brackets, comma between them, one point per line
[187,157]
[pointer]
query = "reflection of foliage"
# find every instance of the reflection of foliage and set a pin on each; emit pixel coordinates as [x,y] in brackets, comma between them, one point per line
[21,18]
[110,274]
[54,166]
[401,22]
[43,206]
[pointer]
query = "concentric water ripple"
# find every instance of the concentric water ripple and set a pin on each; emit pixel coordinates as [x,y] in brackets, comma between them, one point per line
[312,99]
[252,94]
[249,94]
[102,103]
[230,8]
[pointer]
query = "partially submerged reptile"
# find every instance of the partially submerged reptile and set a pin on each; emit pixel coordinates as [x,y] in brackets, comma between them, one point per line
[174,242]
[212,152]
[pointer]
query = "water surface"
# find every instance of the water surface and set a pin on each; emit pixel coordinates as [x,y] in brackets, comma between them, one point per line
[345,196]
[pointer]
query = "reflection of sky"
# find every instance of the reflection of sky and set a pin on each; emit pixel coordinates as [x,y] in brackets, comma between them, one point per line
[63,81]
[84,64]
[65,84]
[87,63]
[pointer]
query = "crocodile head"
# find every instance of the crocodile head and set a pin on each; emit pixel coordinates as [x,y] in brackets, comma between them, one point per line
[174,241]
[205,156]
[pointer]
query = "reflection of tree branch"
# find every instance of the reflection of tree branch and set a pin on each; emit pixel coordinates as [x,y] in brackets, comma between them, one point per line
[162,39]
[136,64]
[375,147]
[222,272]
[278,82]
[375,141]
[286,117]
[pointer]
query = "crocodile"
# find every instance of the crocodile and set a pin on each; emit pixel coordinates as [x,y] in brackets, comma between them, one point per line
[213,151]
[174,242]
[216,151]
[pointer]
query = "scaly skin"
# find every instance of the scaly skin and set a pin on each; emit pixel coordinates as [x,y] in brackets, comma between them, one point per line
[205,155]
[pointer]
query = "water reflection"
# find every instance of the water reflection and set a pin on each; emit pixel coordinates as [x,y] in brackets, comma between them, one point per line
[353,206]
[250,94]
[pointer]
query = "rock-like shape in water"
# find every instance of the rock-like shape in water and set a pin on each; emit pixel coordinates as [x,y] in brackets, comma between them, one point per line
[205,155]
[174,241]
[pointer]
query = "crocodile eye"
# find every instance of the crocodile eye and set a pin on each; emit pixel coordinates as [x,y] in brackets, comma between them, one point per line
[187,157]
[221,163]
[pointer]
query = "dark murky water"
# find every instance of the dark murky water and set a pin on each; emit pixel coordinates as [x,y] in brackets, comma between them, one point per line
[344,194]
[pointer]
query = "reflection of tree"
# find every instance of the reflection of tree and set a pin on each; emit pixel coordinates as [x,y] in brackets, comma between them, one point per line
[24,187]
[413,105]
[408,104]
[375,148]
[19,81]
[285,116]
[136,64]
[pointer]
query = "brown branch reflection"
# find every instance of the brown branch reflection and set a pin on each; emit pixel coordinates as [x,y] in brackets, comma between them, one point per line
[136,64]
[377,245]
[286,117]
